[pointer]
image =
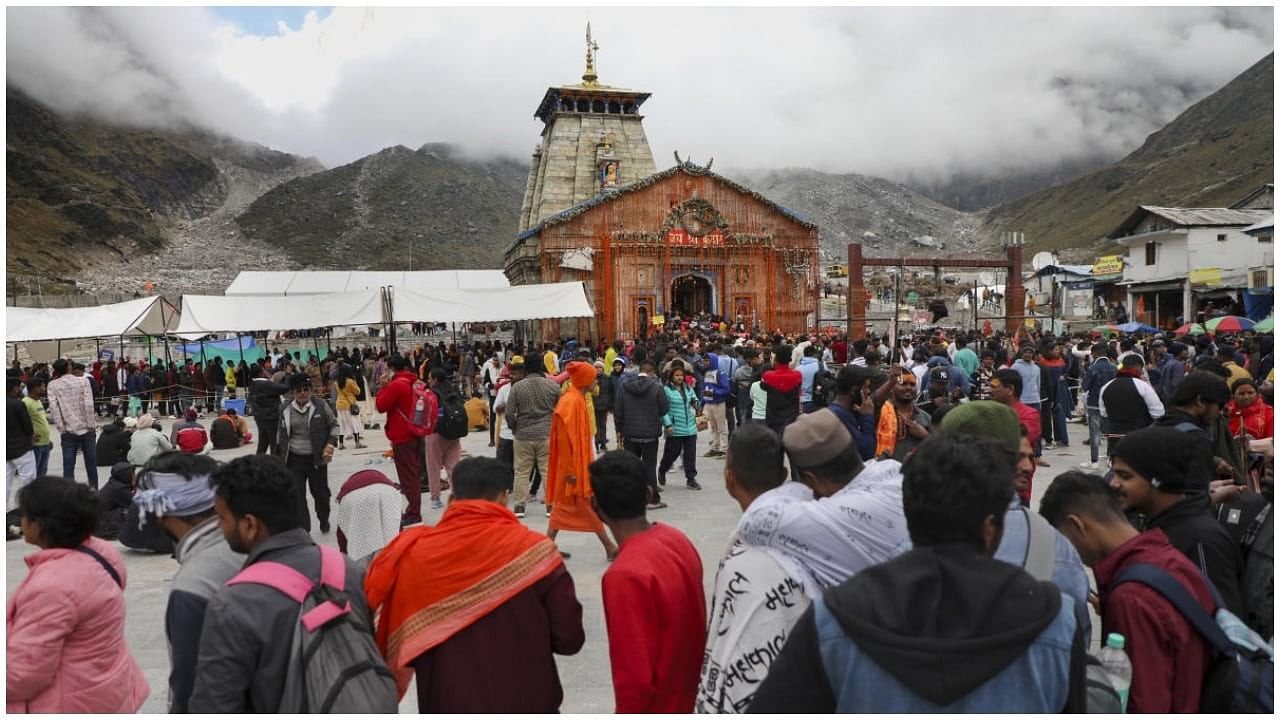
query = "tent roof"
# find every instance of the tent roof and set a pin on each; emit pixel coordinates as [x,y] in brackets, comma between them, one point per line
[204,314]
[521,302]
[144,316]
[316,282]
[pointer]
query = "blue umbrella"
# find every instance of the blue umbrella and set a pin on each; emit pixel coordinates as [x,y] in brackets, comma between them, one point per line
[1132,327]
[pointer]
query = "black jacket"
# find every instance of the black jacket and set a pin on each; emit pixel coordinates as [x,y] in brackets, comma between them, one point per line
[604,401]
[941,620]
[113,446]
[323,431]
[20,430]
[1194,531]
[264,396]
[640,406]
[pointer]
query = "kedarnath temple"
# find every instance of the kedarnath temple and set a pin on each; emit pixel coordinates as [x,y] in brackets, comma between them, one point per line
[649,244]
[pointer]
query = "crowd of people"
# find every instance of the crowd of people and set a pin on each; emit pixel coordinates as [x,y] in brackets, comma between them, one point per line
[887,559]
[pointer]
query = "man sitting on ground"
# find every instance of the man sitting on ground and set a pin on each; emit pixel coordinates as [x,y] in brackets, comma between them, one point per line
[225,431]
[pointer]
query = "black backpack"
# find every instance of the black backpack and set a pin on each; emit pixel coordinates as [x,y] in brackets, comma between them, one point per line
[824,387]
[1240,673]
[453,417]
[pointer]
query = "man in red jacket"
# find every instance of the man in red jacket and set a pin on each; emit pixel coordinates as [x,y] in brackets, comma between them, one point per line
[395,398]
[782,390]
[1169,657]
[654,607]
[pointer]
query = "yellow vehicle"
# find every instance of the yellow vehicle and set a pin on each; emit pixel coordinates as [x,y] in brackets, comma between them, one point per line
[838,271]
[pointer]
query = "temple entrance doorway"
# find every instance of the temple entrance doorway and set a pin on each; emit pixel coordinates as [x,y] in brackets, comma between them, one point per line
[691,295]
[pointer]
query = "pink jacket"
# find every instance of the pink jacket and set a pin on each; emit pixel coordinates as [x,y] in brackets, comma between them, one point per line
[66,648]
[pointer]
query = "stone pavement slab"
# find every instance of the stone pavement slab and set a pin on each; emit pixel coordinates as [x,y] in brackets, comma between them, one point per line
[707,517]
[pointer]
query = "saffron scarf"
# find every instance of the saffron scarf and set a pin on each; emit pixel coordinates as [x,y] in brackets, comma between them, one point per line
[887,430]
[430,583]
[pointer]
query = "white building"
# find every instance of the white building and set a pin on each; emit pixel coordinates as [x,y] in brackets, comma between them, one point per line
[1177,258]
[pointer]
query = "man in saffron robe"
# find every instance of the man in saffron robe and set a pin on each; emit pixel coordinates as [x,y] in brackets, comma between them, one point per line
[446,596]
[572,449]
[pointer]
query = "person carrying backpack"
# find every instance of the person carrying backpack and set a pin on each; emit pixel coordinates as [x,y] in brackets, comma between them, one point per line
[444,446]
[273,641]
[1157,598]
[406,427]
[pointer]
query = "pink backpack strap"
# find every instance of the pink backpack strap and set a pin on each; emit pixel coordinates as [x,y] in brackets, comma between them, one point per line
[333,568]
[275,575]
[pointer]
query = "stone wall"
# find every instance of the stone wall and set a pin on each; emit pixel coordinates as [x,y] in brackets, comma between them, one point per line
[564,173]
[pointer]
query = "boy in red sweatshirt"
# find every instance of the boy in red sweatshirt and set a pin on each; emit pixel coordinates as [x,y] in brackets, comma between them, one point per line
[654,607]
[1169,657]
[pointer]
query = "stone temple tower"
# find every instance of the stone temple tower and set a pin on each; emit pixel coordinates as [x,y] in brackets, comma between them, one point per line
[592,139]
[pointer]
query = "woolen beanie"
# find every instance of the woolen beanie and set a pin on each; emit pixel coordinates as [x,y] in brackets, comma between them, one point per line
[987,419]
[1171,460]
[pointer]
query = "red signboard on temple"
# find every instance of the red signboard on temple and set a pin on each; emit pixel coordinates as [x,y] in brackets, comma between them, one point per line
[679,236]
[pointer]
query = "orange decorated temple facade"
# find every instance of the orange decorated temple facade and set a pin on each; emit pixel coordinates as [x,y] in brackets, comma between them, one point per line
[681,242]
[651,245]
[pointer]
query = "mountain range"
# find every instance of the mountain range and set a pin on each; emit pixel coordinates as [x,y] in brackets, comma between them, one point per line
[107,208]
[1215,152]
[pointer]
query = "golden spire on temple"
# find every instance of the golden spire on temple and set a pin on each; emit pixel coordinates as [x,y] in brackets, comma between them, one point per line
[589,77]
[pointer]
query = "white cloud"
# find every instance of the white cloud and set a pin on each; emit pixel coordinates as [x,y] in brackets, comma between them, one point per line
[899,92]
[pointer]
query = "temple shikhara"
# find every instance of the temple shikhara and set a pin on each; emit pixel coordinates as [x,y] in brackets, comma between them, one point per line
[651,245]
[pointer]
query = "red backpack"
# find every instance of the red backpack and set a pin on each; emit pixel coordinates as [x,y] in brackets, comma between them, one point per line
[422,422]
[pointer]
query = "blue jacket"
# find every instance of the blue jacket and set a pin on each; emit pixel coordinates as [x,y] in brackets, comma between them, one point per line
[1171,373]
[862,427]
[939,629]
[1100,372]
[1030,374]
[809,368]
[717,380]
[956,378]
[682,411]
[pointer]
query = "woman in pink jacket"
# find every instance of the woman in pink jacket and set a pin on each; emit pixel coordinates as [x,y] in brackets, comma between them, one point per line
[66,648]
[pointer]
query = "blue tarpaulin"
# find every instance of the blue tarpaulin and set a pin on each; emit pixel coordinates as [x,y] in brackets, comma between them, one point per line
[228,350]
[1257,307]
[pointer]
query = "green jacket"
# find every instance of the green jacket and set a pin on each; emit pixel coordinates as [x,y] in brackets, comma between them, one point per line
[682,414]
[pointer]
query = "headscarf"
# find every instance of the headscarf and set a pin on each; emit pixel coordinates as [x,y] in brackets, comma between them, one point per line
[582,374]
[146,421]
[163,494]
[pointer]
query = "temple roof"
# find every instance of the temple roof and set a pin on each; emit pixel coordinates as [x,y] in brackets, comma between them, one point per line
[551,101]
[686,168]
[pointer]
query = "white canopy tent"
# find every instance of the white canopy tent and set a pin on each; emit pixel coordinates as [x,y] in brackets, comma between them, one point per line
[319,282]
[204,314]
[521,302]
[144,316]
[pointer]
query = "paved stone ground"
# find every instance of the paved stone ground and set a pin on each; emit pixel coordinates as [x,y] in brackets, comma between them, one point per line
[707,517]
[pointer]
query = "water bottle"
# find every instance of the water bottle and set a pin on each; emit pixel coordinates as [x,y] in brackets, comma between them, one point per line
[1116,663]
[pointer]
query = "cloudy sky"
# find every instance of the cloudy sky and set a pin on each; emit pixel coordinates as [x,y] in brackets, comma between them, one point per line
[895,92]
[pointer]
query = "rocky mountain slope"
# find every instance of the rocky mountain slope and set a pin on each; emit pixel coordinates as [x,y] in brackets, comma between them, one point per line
[94,202]
[1212,154]
[886,217]
[975,192]
[423,209]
